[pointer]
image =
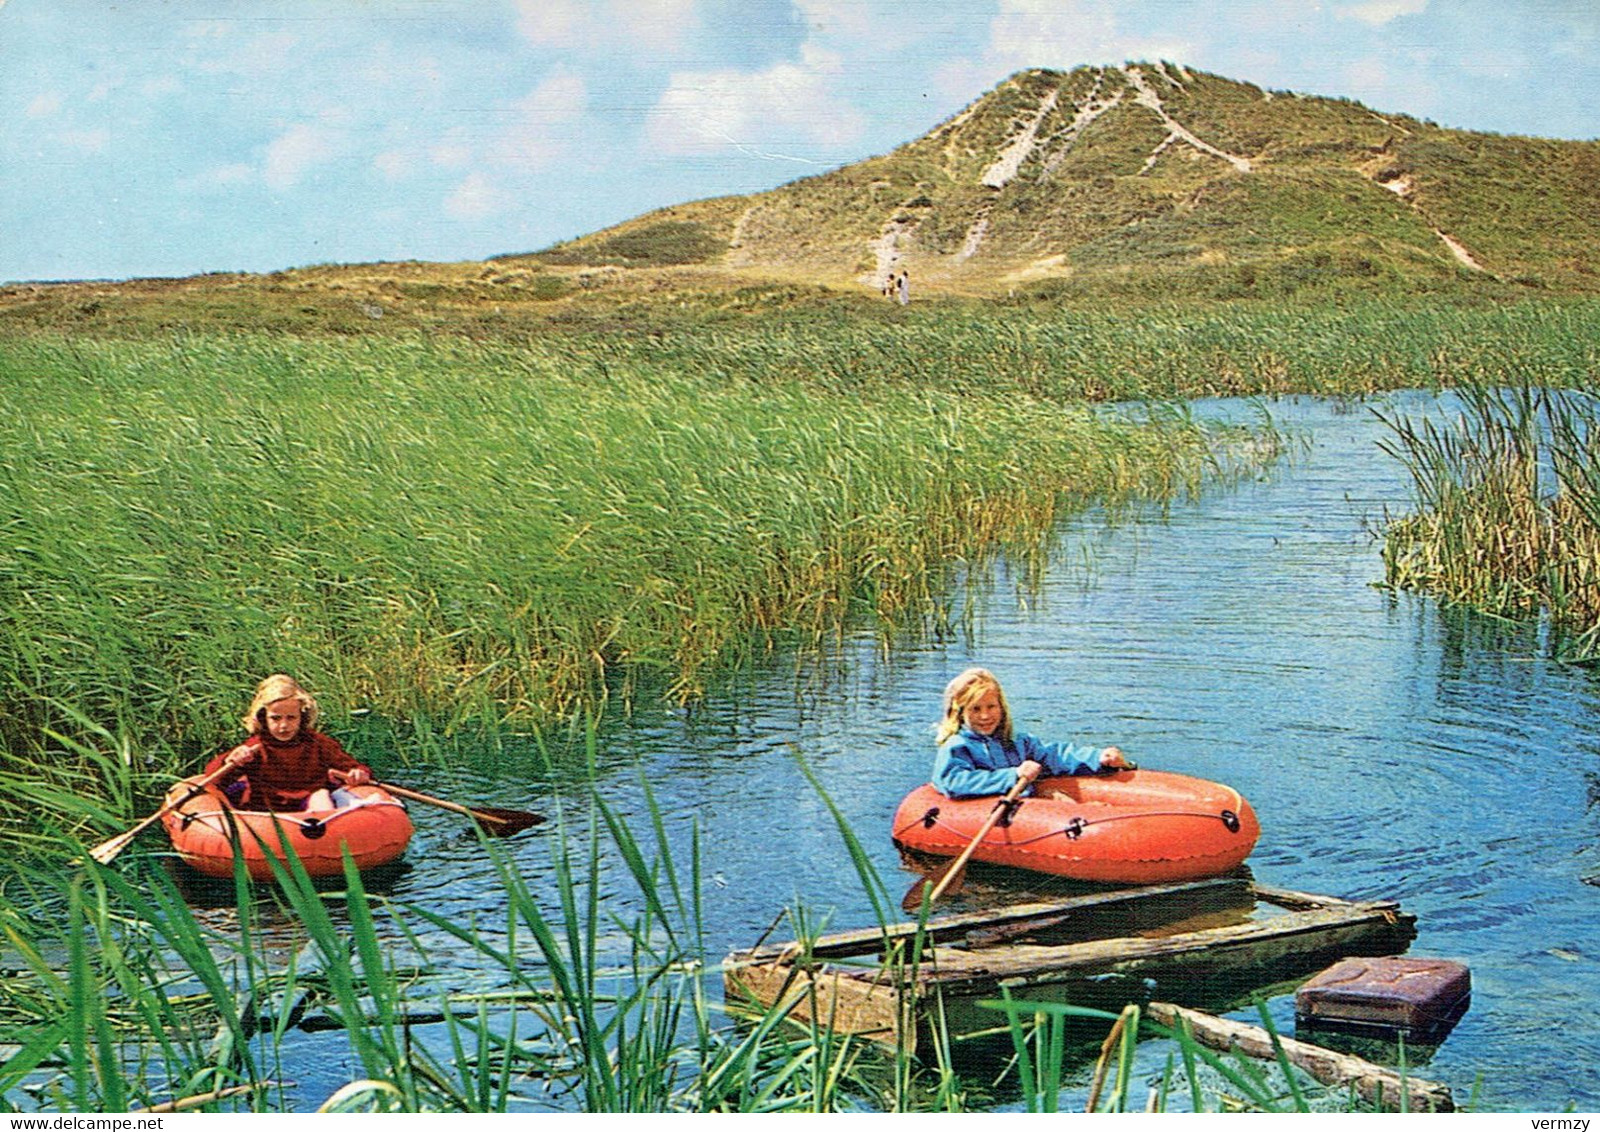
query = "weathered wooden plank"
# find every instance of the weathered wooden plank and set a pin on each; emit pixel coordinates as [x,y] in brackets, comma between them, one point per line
[1378,1086]
[1289,898]
[1089,911]
[1199,954]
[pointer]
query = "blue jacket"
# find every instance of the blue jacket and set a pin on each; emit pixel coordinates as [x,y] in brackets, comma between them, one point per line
[970,765]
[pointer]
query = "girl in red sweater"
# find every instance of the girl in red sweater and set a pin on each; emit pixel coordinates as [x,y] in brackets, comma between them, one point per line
[285,764]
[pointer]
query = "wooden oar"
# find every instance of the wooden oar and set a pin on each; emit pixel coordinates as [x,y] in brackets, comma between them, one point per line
[493,820]
[107,850]
[949,877]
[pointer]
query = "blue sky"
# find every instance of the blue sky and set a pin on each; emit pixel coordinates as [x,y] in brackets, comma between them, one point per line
[172,137]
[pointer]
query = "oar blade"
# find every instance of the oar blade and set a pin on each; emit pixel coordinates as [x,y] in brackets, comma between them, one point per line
[911,902]
[947,878]
[107,850]
[497,822]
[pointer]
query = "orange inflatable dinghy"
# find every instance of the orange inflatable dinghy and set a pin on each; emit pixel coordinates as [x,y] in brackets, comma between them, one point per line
[204,830]
[1129,827]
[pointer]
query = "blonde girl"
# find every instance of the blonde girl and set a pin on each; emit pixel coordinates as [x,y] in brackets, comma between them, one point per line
[286,764]
[981,753]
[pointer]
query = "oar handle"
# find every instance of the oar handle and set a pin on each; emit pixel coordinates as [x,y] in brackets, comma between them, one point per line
[983,831]
[491,820]
[107,850]
[415,795]
[457,807]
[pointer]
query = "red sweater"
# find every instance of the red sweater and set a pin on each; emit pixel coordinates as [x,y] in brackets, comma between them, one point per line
[284,774]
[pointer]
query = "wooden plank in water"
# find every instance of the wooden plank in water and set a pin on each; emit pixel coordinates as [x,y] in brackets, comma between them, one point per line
[1378,1086]
[1198,955]
[845,980]
[1071,915]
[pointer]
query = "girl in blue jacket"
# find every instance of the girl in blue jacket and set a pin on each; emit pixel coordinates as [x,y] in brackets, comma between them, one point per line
[979,754]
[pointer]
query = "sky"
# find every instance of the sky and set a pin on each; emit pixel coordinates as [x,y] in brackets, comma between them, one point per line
[176,137]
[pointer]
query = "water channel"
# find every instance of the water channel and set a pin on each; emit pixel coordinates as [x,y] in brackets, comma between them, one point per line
[1391,749]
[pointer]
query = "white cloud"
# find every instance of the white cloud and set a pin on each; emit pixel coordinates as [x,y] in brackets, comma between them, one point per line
[264,55]
[1034,28]
[387,67]
[653,24]
[1377,12]
[552,23]
[393,164]
[206,29]
[161,84]
[451,153]
[661,23]
[231,47]
[87,141]
[960,81]
[476,198]
[46,105]
[548,120]
[707,111]
[837,19]
[1368,74]
[407,150]
[218,176]
[1052,33]
[294,151]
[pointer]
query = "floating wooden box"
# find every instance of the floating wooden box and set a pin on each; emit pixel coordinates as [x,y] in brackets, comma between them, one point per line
[1200,943]
[1420,998]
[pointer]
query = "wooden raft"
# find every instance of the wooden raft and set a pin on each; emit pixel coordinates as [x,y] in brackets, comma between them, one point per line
[1199,943]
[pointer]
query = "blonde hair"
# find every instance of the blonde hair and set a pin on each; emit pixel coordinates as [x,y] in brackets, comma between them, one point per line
[965,690]
[280,687]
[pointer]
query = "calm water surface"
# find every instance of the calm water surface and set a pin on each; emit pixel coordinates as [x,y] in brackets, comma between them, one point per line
[1391,750]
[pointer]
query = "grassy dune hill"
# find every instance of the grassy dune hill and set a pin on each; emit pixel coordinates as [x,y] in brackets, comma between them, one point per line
[1147,181]
[1103,174]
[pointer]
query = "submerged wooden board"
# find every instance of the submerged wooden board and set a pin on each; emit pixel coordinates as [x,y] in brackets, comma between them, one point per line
[885,984]
[1380,1087]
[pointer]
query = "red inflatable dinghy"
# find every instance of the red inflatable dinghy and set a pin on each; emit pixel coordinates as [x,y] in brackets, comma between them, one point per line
[1130,827]
[376,829]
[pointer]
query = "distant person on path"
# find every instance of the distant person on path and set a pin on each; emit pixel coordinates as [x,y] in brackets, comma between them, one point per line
[980,754]
[905,288]
[285,764]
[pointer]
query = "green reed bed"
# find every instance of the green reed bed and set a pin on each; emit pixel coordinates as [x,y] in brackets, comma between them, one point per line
[439,529]
[1125,351]
[1508,519]
[1053,339]
[592,990]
